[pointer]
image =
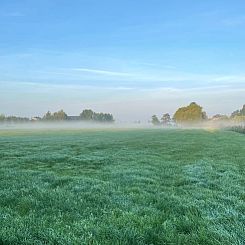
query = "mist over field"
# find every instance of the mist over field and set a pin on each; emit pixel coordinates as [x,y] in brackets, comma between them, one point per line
[58,125]
[71,125]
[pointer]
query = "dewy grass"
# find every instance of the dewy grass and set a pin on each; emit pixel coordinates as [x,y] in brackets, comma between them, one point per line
[122,187]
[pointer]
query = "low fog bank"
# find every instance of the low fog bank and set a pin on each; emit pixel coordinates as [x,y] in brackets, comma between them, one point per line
[57,125]
[69,125]
[211,124]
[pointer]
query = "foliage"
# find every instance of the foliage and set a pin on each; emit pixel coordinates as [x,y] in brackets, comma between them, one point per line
[86,115]
[235,113]
[166,119]
[103,117]
[154,120]
[111,187]
[242,111]
[4,118]
[239,119]
[238,112]
[89,115]
[60,115]
[48,116]
[190,113]
[56,116]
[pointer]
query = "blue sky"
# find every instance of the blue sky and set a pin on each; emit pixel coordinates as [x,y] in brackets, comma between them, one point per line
[131,58]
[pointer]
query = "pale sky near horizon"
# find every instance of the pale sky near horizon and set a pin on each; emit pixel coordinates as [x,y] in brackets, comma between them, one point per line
[130,58]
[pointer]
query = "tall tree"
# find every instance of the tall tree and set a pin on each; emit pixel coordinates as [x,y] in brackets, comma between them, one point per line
[48,116]
[235,113]
[190,113]
[87,115]
[2,117]
[238,113]
[60,115]
[154,120]
[166,119]
[243,110]
[57,116]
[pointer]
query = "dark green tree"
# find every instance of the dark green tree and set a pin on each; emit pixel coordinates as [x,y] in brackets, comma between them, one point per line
[87,115]
[154,120]
[103,117]
[166,119]
[2,117]
[235,113]
[243,110]
[16,119]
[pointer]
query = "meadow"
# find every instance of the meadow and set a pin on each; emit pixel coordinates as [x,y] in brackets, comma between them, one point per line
[151,186]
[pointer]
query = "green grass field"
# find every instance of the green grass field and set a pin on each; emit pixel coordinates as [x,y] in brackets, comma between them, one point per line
[122,187]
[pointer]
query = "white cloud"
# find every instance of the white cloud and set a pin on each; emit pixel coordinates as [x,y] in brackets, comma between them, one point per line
[102,72]
[148,77]
[237,78]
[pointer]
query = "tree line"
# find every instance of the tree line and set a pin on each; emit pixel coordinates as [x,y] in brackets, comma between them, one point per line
[4,118]
[193,113]
[85,115]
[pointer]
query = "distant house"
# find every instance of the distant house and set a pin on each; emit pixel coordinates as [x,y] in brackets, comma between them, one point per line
[73,118]
[36,119]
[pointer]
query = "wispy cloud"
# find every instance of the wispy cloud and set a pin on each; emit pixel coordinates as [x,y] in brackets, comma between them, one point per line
[230,79]
[102,72]
[136,79]
[37,85]
[154,65]
[13,14]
